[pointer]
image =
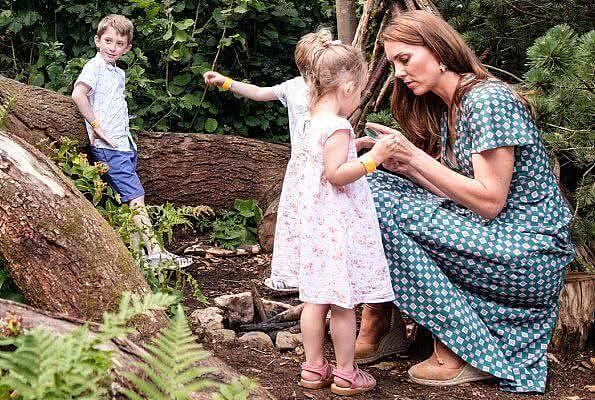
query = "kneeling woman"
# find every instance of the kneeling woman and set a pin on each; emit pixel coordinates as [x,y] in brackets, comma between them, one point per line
[477,242]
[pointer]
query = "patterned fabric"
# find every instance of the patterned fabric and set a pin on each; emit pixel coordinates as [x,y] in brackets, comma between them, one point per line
[327,235]
[487,289]
[108,102]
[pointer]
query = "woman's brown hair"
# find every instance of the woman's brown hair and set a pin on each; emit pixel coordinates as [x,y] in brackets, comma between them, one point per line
[420,116]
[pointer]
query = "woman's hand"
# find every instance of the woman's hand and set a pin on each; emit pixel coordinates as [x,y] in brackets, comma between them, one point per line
[402,150]
[394,166]
[213,78]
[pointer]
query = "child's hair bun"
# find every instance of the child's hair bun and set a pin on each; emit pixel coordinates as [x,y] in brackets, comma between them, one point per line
[324,36]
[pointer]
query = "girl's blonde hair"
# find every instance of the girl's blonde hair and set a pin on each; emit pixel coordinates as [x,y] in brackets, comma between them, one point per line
[120,23]
[420,116]
[307,47]
[335,64]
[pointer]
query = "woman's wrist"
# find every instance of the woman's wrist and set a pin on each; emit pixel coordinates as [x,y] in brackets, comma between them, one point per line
[419,158]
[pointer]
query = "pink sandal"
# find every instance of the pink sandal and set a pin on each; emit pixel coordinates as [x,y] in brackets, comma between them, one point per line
[326,375]
[361,381]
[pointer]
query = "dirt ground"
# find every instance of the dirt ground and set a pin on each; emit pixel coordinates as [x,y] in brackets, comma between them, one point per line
[278,371]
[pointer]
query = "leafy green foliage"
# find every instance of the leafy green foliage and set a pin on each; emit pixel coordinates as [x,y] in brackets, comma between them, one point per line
[561,80]
[500,31]
[238,389]
[47,366]
[5,109]
[8,289]
[175,42]
[169,364]
[237,227]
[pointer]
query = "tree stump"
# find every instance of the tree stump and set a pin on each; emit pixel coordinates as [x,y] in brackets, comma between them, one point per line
[576,315]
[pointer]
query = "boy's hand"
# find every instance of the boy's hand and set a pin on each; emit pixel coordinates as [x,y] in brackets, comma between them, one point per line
[98,133]
[213,78]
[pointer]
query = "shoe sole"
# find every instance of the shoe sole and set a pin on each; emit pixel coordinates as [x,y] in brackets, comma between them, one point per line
[391,343]
[343,391]
[465,376]
[314,384]
[268,284]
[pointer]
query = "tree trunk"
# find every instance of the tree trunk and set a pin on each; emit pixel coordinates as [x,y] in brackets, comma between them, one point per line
[346,21]
[61,253]
[125,351]
[211,170]
[577,313]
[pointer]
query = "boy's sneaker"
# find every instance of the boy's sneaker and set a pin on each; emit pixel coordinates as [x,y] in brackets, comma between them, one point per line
[279,286]
[166,256]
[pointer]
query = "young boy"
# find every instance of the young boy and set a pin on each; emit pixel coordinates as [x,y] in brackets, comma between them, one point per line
[293,94]
[99,95]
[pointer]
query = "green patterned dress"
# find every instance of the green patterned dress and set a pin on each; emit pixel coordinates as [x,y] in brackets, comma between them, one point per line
[487,289]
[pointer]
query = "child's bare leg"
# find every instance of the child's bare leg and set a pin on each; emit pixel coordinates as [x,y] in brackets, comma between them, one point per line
[343,334]
[312,322]
[143,222]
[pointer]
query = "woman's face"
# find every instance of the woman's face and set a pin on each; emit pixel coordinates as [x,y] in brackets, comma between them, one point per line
[415,65]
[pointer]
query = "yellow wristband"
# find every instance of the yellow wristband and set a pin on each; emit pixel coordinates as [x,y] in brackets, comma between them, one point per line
[227,84]
[95,123]
[368,163]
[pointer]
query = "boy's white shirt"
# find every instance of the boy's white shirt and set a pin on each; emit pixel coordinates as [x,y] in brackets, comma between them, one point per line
[108,102]
[293,94]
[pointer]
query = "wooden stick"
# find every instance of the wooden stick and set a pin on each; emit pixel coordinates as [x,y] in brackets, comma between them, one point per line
[385,89]
[291,314]
[267,326]
[258,303]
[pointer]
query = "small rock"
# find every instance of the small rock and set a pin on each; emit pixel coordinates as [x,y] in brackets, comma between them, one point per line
[256,339]
[223,336]
[299,350]
[239,307]
[274,307]
[551,357]
[385,365]
[207,319]
[288,341]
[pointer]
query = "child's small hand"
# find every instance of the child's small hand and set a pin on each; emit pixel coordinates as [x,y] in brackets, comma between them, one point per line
[364,142]
[384,147]
[98,134]
[213,78]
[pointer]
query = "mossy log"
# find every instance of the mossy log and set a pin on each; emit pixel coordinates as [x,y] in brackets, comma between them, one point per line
[61,253]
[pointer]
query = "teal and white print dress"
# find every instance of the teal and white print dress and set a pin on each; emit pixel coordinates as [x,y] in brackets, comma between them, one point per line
[487,289]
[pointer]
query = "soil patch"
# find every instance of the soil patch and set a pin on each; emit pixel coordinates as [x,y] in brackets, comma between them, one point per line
[278,371]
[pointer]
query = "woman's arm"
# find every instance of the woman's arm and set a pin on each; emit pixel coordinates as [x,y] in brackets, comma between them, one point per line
[484,194]
[412,174]
[246,90]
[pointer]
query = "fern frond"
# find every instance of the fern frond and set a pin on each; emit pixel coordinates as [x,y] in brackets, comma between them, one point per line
[169,364]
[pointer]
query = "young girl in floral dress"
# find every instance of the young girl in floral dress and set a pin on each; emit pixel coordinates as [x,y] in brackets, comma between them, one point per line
[336,244]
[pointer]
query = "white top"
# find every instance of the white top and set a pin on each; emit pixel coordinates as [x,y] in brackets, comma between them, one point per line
[108,102]
[293,94]
[327,237]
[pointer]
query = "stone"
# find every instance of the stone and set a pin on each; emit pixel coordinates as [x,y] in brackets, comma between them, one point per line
[207,319]
[256,339]
[288,341]
[239,307]
[222,336]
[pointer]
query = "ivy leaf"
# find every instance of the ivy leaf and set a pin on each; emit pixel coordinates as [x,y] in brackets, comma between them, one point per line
[211,125]
[183,25]
[181,37]
[167,35]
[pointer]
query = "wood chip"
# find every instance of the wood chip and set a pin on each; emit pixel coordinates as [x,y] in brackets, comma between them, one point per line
[308,395]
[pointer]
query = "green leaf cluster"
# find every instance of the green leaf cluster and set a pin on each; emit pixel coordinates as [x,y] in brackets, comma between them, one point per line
[41,365]
[237,227]
[175,42]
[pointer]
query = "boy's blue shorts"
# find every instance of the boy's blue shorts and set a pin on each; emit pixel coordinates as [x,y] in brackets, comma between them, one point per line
[121,175]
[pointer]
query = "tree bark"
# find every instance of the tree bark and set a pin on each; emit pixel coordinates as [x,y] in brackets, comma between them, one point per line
[346,21]
[576,315]
[61,253]
[205,169]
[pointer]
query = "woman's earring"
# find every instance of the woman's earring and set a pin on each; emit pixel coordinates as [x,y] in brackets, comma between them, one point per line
[442,67]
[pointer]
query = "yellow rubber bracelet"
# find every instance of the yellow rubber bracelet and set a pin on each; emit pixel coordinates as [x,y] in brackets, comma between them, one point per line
[95,123]
[368,163]
[227,84]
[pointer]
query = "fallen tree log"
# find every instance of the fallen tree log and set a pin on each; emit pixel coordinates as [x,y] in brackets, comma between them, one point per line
[206,169]
[61,253]
[125,351]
